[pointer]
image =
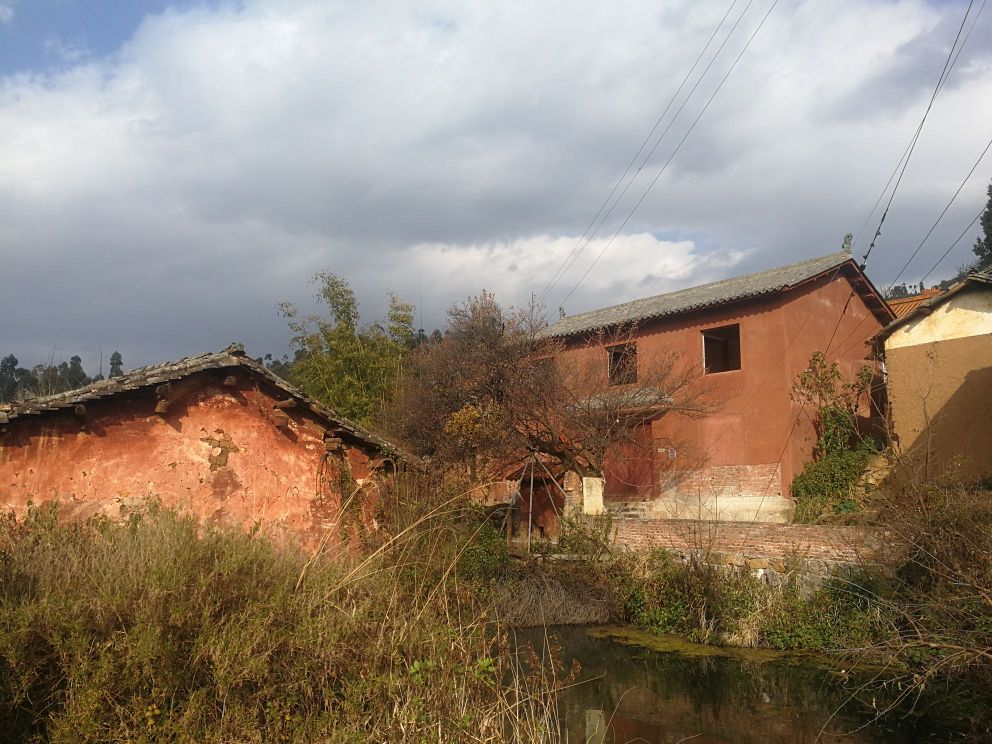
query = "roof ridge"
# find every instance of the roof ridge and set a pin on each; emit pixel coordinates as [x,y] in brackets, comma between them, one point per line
[164,372]
[708,294]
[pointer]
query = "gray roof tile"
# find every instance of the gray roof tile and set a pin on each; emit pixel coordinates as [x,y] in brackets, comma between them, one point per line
[696,298]
[157,374]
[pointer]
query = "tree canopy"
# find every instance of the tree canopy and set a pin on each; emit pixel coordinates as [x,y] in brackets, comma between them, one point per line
[983,244]
[349,367]
[490,392]
[17,383]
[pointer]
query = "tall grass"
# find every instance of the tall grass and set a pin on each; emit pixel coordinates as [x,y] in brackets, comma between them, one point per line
[160,629]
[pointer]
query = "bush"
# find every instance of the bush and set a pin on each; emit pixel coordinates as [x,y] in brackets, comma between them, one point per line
[825,484]
[486,557]
[691,598]
[843,614]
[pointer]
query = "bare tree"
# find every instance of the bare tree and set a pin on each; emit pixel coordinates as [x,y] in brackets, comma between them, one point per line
[492,393]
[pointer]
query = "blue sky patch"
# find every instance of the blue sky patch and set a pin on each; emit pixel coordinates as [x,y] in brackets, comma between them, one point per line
[41,35]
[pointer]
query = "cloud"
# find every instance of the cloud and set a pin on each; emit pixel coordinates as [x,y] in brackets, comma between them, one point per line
[164,198]
[66,51]
[6,13]
[638,265]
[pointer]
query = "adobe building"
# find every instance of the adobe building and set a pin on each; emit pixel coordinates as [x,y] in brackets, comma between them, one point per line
[938,365]
[748,337]
[217,435]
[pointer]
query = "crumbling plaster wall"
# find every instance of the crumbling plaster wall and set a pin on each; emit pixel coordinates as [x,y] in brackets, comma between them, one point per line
[216,453]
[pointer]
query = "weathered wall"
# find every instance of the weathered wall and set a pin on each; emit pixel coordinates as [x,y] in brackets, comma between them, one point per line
[738,462]
[939,372]
[216,453]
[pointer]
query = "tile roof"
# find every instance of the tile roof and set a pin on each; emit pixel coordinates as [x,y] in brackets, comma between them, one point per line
[905,305]
[696,298]
[925,307]
[159,374]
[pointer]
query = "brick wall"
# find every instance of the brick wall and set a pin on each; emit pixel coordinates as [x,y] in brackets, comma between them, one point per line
[732,480]
[742,543]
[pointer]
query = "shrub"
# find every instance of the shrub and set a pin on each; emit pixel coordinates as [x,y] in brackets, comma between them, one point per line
[689,597]
[843,614]
[841,455]
[486,557]
[825,484]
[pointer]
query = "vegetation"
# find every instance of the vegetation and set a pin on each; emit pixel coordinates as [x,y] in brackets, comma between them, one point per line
[841,454]
[899,291]
[349,367]
[926,619]
[943,603]
[162,630]
[983,243]
[491,392]
[17,383]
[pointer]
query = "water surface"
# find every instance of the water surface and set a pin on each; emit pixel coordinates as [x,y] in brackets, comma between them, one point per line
[685,692]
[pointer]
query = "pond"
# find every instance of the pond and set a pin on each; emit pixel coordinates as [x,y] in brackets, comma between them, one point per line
[634,687]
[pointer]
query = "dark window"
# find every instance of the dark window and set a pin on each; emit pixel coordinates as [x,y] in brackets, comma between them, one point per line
[622,364]
[722,349]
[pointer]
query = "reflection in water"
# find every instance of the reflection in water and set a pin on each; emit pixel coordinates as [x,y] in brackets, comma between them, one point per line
[632,694]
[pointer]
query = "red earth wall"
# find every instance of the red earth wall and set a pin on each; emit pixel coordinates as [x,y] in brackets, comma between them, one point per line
[757,422]
[216,453]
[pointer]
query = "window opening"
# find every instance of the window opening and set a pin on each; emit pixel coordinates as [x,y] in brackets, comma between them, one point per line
[622,364]
[722,349]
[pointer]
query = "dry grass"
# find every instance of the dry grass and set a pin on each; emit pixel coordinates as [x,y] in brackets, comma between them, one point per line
[535,597]
[159,630]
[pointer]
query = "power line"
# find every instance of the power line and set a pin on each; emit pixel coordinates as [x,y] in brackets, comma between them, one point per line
[575,248]
[951,246]
[941,215]
[912,140]
[672,156]
[587,236]
[951,58]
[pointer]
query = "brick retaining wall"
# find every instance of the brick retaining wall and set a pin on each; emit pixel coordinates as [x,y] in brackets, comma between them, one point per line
[736,542]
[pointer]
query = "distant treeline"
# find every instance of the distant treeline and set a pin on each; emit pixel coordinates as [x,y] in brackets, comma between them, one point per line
[18,383]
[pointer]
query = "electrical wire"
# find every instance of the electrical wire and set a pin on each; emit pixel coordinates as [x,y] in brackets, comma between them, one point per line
[940,85]
[951,246]
[940,216]
[587,236]
[944,73]
[672,156]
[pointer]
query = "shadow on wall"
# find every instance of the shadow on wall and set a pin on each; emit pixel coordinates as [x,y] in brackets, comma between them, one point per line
[957,437]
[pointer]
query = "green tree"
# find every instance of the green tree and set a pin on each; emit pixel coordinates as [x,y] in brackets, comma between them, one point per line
[983,245]
[116,364]
[14,380]
[352,369]
[75,376]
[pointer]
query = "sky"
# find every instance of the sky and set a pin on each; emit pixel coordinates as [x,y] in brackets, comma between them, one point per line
[170,172]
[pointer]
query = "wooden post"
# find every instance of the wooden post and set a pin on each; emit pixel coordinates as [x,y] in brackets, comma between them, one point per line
[530,510]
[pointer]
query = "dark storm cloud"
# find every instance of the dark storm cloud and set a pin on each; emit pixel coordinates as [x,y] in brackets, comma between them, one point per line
[164,198]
